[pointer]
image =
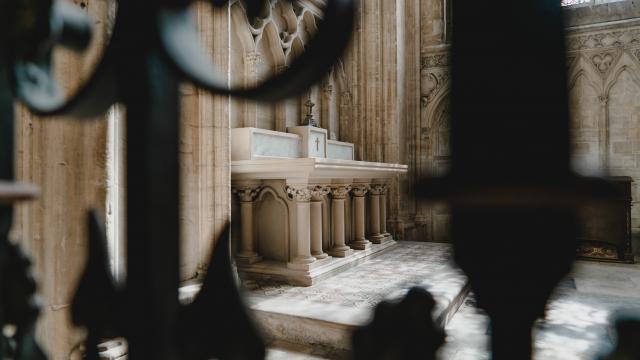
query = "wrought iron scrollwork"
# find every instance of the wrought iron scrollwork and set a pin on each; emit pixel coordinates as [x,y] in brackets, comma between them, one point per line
[153,48]
[402,330]
[28,32]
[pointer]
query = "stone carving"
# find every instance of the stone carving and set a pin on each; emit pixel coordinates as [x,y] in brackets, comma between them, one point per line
[247,193]
[298,192]
[604,100]
[340,191]
[328,90]
[603,40]
[603,61]
[290,23]
[636,53]
[379,189]
[360,189]
[435,60]
[252,60]
[319,191]
[431,82]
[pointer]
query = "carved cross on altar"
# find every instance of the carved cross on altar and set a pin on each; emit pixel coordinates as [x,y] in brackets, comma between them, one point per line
[317,144]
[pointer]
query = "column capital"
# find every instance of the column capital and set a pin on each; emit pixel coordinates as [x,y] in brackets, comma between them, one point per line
[319,191]
[246,193]
[360,190]
[379,189]
[300,193]
[340,191]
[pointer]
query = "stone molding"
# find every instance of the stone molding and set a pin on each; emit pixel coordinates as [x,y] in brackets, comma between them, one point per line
[340,191]
[435,60]
[607,39]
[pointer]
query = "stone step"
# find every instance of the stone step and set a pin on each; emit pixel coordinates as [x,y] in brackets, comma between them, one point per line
[329,327]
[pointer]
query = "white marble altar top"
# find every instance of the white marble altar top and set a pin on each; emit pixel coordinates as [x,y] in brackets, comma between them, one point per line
[313,169]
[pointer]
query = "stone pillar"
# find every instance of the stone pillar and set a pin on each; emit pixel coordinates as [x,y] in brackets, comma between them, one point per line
[383,212]
[360,242]
[302,195]
[247,254]
[339,193]
[376,190]
[317,195]
[604,136]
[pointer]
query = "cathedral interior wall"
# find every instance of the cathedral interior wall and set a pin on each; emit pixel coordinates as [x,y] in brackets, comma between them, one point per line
[388,96]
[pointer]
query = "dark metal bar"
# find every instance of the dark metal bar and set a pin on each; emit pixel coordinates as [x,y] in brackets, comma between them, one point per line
[510,129]
[6,173]
[149,89]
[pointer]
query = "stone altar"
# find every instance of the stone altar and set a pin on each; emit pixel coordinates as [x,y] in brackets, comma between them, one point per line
[303,218]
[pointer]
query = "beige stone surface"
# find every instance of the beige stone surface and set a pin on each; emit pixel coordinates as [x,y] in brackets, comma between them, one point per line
[66,158]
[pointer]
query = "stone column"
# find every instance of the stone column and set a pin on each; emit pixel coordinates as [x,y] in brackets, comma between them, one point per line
[339,193]
[383,211]
[376,190]
[247,254]
[603,136]
[360,242]
[317,195]
[302,195]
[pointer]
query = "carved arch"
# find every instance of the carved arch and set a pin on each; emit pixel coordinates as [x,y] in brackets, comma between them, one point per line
[625,63]
[582,67]
[440,129]
[440,98]
[266,226]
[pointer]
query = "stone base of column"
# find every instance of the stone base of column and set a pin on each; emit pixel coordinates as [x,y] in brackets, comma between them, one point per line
[297,264]
[321,256]
[379,239]
[361,245]
[247,259]
[342,251]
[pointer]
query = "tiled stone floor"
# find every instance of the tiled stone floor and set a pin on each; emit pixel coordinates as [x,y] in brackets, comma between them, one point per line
[346,300]
[577,323]
[407,264]
[577,326]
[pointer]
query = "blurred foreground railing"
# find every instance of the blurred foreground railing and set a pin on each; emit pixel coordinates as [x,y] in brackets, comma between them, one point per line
[510,182]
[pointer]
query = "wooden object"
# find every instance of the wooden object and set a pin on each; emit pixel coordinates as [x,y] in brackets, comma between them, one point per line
[605,233]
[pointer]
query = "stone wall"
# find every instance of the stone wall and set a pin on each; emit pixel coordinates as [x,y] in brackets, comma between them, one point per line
[66,158]
[604,85]
[80,165]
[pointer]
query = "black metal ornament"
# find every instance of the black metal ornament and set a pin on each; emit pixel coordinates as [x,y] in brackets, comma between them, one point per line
[153,48]
[401,330]
[511,188]
[28,31]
